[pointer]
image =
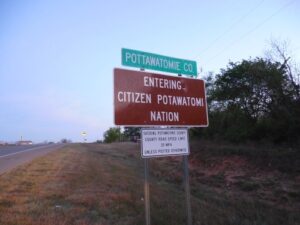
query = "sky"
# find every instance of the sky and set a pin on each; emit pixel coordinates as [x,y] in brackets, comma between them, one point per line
[57,56]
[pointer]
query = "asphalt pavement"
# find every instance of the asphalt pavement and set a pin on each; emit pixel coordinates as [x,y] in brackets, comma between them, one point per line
[13,156]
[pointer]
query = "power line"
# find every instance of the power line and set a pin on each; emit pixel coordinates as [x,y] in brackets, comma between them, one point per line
[231,27]
[252,30]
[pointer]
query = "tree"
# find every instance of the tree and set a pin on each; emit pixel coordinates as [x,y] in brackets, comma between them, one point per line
[132,133]
[254,99]
[113,134]
[279,52]
[64,140]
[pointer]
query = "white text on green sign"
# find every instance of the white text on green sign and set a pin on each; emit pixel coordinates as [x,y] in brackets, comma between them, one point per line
[152,61]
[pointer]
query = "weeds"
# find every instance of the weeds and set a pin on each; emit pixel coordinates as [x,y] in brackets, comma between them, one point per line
[103,184]
[248,185]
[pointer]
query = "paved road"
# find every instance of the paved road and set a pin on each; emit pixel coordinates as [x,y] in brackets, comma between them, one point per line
[13,156]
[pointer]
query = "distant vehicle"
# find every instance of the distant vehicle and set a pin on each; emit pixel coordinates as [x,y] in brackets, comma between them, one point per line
[24,143]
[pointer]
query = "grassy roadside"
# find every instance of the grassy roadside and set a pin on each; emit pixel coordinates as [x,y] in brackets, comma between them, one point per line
[103,184]
[77,185]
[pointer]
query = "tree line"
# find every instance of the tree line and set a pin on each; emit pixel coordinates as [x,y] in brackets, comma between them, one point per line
[252,100]
[256,99]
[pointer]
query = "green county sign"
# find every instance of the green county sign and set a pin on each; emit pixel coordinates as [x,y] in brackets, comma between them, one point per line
[152,61]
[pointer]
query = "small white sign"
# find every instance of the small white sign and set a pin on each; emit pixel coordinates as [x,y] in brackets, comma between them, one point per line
[164,142]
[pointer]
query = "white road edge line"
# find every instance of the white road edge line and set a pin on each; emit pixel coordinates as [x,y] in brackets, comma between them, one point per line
[28,150]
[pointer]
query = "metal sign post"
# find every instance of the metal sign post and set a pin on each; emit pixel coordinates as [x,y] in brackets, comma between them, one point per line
[83,133]
[146,189]
[187,190]
[161,142]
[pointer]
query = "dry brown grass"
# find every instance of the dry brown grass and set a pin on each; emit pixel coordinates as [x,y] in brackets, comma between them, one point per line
[81,184]
[103,184]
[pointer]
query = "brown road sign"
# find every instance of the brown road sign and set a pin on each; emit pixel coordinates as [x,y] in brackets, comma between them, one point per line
[149,99]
